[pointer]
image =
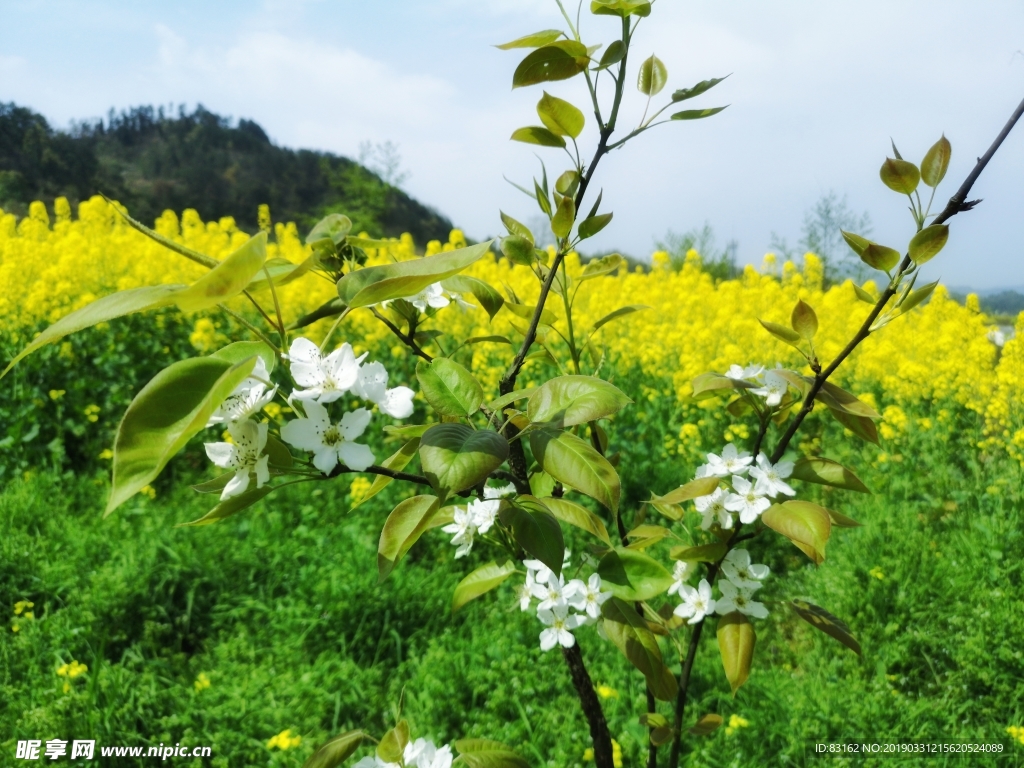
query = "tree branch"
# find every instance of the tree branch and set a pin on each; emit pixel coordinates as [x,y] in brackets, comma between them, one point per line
[408,340]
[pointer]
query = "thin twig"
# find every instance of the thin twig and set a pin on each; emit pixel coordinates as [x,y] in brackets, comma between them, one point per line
[408,340]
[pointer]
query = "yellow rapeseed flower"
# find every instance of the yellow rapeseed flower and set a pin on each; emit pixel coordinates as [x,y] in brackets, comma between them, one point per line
[202,682]
[284,740]
[735,722]
[607,692]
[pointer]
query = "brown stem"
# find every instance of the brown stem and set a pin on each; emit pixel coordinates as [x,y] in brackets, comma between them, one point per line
[957,204]
[599,733]
[407,339]
[341,469]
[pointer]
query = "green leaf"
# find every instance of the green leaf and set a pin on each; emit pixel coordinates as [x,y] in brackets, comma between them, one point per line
[620,312]
[652,76]
[560,117]
[862,426]
[632,575]
[516,228]
[174,245]
[511,397]
[456,456]
[927,243]
[372,285]
[604,265]
[518,249]
[231,506]
[736,640]
[827,472]
[856,242]
[838,398]
[449,388]
[216,485]
[282,272]
[806,524]
[572,513]
[613,54]
[569,400]
[173,407]
[863,295]
[100,311]
[697,114]
[822,620]
[243,350]
[633,637]
[562,221]
[839,520]
[915,298]
[936,161]
[407,431]
[525,311]
[575,463]
[567,183]
[489,298]
[368,242]
[332,229]
[708,384]
[406,523]
[804,320]
[484,753]
[694,489]
[705,553]
[227,279]
[704,85]
[558,61]
[536,40]
[899,175]
[535,134]
[480,582]
[621,8]
[705,725]
[280,456]
[536,530]
[335,751]
[392,744]
[782,333]
[880,257]
[331,308]
[398,461]
[541,195]
[591,226]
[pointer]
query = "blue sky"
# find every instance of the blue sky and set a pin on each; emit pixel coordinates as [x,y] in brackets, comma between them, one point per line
[816,91]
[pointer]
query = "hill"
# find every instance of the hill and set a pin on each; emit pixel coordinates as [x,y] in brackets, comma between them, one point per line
[152,161]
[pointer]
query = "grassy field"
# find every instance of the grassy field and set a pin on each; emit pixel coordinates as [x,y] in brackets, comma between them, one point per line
[228,635]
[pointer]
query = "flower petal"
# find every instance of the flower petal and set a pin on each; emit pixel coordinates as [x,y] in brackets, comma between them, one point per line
[356,456]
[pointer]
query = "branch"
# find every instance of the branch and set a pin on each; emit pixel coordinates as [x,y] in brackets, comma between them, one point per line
[408,340]
[341,469]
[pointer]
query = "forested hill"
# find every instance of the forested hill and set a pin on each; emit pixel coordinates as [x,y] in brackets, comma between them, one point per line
[151,161]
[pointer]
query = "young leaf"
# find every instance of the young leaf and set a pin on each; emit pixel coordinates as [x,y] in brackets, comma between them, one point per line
[806,524]
[569,400]
[804,320]
[915,298]
[705,553]
[704,85]
[562,221]
[392,744]
[449,388]
[899,175]
[238,351]
[822,620]
[863,295]
[694,489]
[632,575]
[838,398]
[541,196]
[621,8]
[489,298]
[456,456]
[536,530]
[231,506]
[936,161]
[173,407]
[516,228]
[591,226]
[403,528]
[697,114]
[227,279]
[372,285]
[335,751]
[332,229]
[536,40]
[620,312]
[862,426]
[525,311]
[538,135]
[511,397]
[480,582]
[484,753]
[708,384]
[705,725]
[880,257]
[397,461]
[736,640]
[782,333]
[652,76]
[282,272]
[572,513]
[633,637]
[560,60]
[927,243]
[827,472]
[613,54]
[518,249]
[575,463]
[560,117]
[567,183]
[856,242]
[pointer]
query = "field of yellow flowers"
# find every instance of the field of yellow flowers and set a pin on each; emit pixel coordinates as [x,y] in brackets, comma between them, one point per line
[942,355]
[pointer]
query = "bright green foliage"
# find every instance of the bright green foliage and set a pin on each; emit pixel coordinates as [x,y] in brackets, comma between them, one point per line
[557,61]
[631,635]
[736,640]
[560,117]
[536,40]
[936,161]
[450,389]
[900,175]
[927,243]
[569,400]
[456,457]
[227,279]
[406,523]
[804,523]
[575,463]
[480,582]
[536,530]
[632,575]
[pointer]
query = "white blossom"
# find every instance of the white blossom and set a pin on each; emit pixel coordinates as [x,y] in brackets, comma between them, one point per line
[423,754]
[771,477]
[483,513]
[746,501]
[329,442]
[499,493]
[372,761]
[697,603]
[731,462]
[559,622]
[524,594]
[587,597]
[538,569]
[464,529]
[774,388]
[372,384]
[432,296]
[740,373]
[739,599]
[713,508]
[464,305]
[247,399]
[550,592]
[326,378]
[680,575]
[244,455]
[740,571]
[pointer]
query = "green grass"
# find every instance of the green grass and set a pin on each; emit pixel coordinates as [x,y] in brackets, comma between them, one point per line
[281,609]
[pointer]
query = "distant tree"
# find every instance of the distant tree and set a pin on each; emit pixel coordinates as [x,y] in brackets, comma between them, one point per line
[821,236]
[718,262]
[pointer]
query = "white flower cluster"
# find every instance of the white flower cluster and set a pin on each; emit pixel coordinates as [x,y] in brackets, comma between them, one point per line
[742,580]
[436,297]
[747,499]
[773,386]
[556,598]
[476,517]
[322,380]
[418,754]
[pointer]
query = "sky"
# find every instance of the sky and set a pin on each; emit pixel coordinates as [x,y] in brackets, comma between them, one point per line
[816,91]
